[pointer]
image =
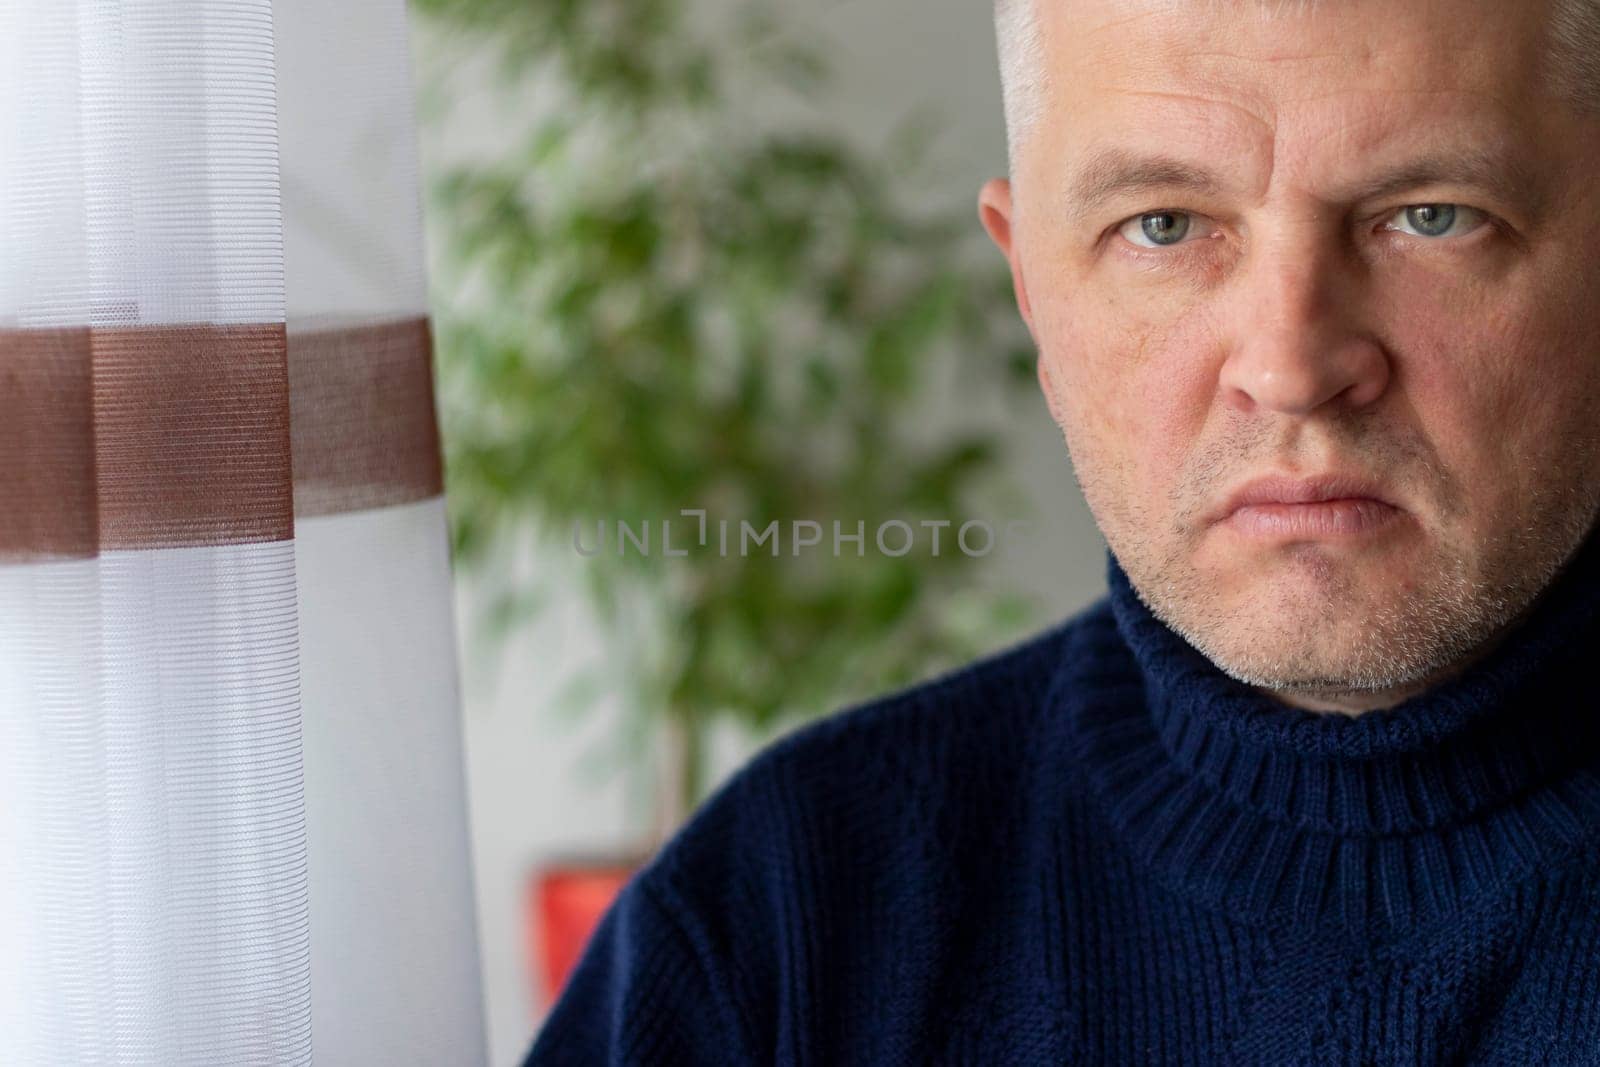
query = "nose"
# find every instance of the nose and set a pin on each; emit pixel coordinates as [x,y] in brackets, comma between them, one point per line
[1297,344]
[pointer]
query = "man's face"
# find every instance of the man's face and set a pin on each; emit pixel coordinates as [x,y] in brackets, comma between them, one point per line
[1360,243]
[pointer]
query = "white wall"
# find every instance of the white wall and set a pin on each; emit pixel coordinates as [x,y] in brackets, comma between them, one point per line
[530,799]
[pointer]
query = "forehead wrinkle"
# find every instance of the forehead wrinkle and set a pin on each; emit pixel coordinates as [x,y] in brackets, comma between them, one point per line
[1473,158]
[1381,154]
[1114,169]
[1199,98]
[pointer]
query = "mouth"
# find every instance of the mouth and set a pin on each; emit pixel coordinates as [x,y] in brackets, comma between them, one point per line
[1324,506]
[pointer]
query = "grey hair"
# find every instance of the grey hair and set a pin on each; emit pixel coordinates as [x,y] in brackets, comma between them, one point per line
[1023,71]
[1574,45]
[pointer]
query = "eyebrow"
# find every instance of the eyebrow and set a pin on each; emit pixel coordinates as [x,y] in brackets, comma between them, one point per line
[1115,172]
[1504,177]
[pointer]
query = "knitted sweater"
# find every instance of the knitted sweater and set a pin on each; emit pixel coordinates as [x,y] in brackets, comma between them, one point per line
[1095,848]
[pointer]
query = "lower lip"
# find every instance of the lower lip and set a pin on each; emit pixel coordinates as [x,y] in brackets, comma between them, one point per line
[1324,519]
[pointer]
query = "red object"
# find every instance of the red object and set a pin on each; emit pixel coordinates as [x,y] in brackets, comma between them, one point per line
[568,901]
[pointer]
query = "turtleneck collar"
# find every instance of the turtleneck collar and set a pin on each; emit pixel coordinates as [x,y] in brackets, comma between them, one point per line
[1378,819]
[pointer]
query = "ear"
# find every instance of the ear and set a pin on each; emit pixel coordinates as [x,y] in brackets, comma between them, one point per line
[995,211]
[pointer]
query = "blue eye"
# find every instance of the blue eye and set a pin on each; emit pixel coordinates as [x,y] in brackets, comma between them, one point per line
[1165,228]
[1159,229]
[1437,220]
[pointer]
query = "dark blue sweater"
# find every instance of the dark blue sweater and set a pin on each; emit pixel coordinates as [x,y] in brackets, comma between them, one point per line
[1095,848]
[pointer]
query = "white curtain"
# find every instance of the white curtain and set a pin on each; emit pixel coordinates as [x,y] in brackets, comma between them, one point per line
[232,814]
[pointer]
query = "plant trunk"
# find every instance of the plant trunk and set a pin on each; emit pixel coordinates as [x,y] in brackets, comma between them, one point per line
[682,772]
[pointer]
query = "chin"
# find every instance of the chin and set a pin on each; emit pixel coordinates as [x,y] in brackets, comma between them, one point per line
[1320,669]
[1316,622]
[1334,671]
[1345,634]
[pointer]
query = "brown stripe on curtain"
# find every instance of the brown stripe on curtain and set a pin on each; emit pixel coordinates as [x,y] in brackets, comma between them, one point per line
[142,437]
[176,436]
[192,436]
[365,432]
[47,491]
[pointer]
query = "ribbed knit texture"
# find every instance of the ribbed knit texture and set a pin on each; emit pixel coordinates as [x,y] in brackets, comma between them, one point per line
[1096,848]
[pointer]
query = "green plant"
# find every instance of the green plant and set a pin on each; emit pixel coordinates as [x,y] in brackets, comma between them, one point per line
[648,303]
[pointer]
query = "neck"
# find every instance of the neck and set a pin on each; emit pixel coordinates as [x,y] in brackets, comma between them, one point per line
[1267,808]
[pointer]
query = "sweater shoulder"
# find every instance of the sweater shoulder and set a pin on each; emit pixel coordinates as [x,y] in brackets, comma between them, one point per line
[887,759]
[983,695]
[875,810]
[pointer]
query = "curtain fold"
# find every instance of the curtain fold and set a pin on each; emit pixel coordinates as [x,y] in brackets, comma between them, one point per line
[232,807]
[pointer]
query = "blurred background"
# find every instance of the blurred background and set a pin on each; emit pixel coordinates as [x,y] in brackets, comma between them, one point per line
[725,258]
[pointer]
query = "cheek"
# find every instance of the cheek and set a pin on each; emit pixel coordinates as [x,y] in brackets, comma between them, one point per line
[1134,386]
[1503,387]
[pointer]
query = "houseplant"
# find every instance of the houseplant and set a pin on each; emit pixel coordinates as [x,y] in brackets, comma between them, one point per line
[655,308]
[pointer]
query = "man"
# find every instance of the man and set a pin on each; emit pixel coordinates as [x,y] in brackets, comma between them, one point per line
[1313,288]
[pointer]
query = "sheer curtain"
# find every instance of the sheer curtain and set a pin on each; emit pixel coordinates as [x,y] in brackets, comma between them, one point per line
[232,813]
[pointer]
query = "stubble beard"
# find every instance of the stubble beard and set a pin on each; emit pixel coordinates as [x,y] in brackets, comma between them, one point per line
[1334,639]
[1320,631]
